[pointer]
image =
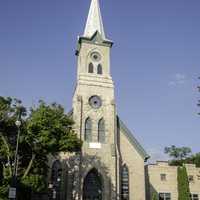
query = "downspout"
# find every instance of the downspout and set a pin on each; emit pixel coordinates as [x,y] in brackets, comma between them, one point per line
[117,154]
[80,163]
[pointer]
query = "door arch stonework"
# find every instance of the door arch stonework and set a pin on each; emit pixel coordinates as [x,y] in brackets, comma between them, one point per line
[93,186]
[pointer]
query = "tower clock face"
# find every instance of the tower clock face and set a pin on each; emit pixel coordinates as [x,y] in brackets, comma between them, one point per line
[95,102]
[95,56]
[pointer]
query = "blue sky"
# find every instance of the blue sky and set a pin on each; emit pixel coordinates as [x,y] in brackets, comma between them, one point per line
[155,61]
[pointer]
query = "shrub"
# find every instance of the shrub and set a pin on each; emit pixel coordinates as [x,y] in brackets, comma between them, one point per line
[183,184]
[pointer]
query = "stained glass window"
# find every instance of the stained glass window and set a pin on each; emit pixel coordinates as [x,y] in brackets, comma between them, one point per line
[125,183]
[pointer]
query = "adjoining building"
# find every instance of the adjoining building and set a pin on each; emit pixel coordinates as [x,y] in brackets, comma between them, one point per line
[161,179]
[111,165]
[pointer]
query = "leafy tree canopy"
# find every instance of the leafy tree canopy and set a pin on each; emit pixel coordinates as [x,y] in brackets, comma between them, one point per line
[182,155]
[178,153]
[45,130]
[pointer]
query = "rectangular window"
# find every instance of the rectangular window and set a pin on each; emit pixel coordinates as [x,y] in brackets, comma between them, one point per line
[163,177]
[164,196]
[194,196]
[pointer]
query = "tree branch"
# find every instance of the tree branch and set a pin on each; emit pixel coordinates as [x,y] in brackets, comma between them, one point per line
[29,166]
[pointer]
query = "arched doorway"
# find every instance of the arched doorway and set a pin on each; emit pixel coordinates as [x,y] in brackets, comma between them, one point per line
[56,179]
[92,186]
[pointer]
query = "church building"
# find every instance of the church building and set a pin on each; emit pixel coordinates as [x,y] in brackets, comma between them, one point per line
[112,161]
[111,165]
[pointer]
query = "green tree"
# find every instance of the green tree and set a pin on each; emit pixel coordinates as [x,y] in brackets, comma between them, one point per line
[45,130]
[8,130]
[194,159]
[182,155]
[178,153]
[155,196]
[183,184]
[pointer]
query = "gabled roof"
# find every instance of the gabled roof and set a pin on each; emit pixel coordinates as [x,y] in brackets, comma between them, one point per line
[133,140]
[94,21]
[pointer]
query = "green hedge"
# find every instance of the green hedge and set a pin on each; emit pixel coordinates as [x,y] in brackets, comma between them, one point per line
[183,184]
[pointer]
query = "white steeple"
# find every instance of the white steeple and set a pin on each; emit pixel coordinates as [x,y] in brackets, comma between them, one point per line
[94,21]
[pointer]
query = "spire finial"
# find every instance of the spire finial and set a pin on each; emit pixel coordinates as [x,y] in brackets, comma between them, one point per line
[94,21]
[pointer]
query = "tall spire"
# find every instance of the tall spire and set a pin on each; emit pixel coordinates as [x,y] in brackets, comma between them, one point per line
[94,21]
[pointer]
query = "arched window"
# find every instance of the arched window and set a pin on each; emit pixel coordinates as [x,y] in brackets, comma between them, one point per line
[90,68]
[88,129]
[101,131]
[124,183]
[99,69]
[56,178]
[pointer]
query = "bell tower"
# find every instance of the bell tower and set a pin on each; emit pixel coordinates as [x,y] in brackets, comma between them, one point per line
[94,106]
[93,48]
[94,86]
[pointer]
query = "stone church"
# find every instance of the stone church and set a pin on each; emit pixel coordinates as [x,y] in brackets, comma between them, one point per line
[111,164]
